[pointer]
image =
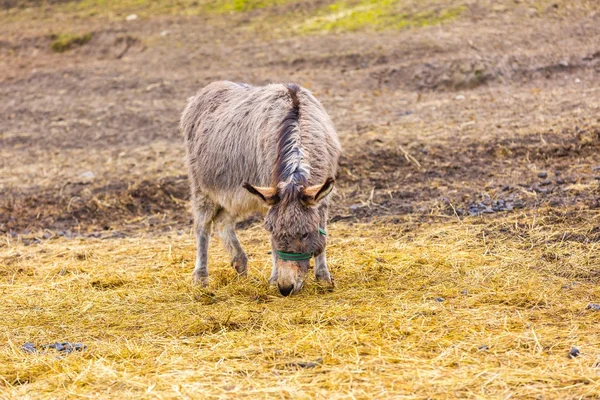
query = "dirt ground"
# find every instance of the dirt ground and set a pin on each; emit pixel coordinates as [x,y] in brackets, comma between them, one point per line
[433,121]
[491,119]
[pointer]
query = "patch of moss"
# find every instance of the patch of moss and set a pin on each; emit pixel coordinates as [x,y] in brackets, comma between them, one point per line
[242,5]
[345,16]
[66,41]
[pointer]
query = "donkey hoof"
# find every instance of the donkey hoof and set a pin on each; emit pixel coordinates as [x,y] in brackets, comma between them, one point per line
[326,278]
[241,265]
[201,281]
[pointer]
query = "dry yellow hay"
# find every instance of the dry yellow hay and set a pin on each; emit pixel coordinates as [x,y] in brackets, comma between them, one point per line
[432,121]
[518,285]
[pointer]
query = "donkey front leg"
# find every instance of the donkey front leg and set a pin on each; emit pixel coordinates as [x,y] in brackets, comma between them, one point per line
[321,270]
[203,221]
[273,278]
[239,260]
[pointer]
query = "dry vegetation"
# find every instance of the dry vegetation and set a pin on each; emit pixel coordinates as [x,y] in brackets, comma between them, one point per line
[514,303]
[465,233]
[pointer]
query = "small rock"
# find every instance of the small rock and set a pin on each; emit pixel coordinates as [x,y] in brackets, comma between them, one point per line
[501,205]
[87,175]
[460,97]
[574,352]
[593,307]
[355,207]
[164,33]
[543,175]
[465,292]
[59,346]
[305,364]
[131,17]
[153,86]
[66,347]
[29,348]
[483,347]
[79,346]
[480,208]
[440,299]
[560,181]
[577,80]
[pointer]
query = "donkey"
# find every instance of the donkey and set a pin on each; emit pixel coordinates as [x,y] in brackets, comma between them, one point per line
[271,148]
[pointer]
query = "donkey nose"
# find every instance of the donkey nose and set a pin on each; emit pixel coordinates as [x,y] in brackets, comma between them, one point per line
[286,290]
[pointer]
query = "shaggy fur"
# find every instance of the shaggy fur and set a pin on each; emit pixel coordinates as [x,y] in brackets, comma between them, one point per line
[280,141]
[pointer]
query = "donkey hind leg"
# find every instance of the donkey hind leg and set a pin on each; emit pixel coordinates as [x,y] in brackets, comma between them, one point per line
[205,212]
[321,270]
[239,260]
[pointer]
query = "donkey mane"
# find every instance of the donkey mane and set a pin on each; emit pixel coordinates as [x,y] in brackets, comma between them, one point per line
[290,164]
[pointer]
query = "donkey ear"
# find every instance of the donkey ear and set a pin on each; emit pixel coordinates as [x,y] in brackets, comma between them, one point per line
[314,194]
[267,194]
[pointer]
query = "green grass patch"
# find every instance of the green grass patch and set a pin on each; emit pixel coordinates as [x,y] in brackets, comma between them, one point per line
[66,41]
[242,5]
[343,16]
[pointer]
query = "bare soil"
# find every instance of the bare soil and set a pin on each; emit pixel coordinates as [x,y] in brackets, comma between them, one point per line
[495,112]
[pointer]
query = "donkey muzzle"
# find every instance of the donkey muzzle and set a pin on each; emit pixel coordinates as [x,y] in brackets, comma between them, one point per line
[290,276]
[285,290]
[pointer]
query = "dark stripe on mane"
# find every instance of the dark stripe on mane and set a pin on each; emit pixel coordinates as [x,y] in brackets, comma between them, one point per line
[285,139]
[293,91]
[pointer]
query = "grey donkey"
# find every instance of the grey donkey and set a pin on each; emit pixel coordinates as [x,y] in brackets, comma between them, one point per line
[271,148]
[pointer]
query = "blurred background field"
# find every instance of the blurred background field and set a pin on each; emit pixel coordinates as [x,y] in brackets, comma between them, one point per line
[465,230]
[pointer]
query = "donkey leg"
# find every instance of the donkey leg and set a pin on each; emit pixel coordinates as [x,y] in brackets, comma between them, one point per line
[321,270]
[273,278]
[204,214]
[239,260]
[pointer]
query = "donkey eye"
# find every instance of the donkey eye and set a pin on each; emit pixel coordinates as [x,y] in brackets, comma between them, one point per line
[304,237]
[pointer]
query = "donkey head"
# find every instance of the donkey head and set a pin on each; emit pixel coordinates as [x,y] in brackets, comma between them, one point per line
[293,221]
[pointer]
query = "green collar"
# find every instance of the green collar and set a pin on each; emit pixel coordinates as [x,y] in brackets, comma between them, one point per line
[297,256]
[293,256]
